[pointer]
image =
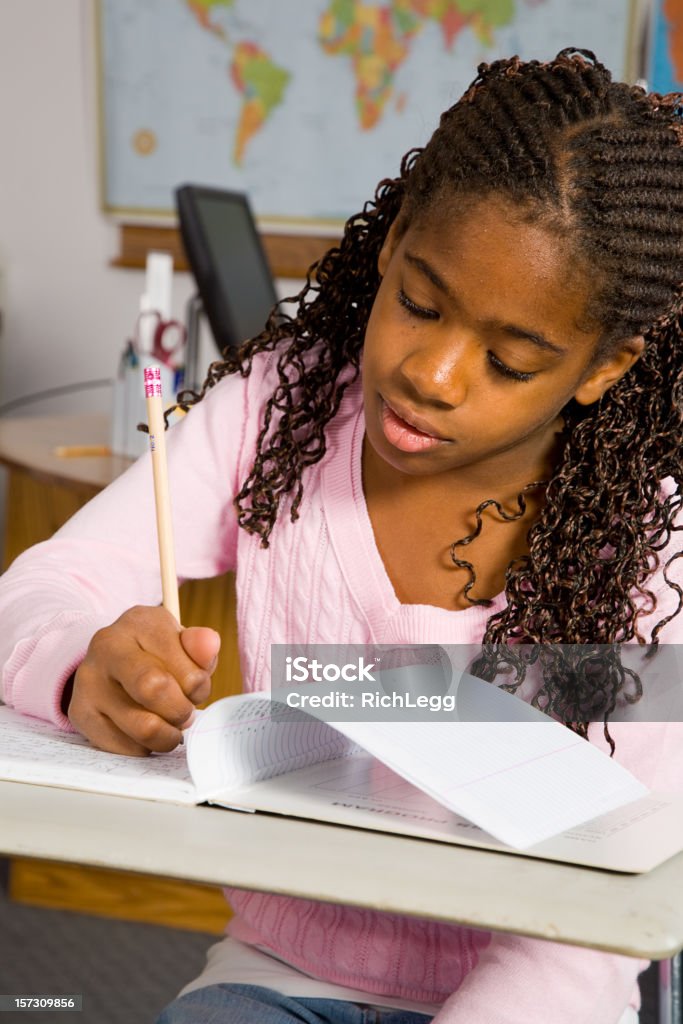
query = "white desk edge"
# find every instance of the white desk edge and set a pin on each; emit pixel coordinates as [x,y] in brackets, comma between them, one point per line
[633,915]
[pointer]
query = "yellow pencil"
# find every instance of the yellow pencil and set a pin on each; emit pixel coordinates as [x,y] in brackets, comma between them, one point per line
[162,501]
[81,451]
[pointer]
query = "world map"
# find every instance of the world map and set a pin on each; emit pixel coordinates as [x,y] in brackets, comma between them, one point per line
[666,55]
[375,37]
[304,104]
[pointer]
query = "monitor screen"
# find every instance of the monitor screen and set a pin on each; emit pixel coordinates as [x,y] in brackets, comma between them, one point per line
[226,256]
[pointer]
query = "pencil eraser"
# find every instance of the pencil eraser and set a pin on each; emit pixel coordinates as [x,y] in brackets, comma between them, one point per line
[152,376]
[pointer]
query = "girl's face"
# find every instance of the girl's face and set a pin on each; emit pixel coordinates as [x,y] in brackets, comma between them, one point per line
[475,344]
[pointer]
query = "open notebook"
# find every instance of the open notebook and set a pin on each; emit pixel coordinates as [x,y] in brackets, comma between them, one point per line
[530,785]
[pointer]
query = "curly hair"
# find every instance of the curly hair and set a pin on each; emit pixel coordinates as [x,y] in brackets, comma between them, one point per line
[601,163]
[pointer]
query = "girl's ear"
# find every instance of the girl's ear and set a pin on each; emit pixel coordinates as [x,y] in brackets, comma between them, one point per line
[593,387]
[390,242]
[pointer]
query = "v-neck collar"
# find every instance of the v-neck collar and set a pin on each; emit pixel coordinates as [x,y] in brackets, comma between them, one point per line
[353,540]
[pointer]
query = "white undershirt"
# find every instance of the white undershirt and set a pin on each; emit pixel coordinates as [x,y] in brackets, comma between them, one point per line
[231,962]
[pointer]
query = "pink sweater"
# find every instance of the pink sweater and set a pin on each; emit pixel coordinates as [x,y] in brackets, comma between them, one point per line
[321,581]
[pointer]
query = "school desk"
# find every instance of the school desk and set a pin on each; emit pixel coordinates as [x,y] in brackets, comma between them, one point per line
[636,915]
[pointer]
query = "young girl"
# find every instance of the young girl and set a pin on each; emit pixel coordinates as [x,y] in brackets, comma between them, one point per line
[505,467]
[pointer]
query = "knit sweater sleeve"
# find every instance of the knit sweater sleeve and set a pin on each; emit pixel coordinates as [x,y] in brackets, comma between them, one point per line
[56,595]
[522,981]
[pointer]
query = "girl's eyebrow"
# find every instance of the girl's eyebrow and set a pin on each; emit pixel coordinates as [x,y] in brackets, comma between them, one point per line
[535,337]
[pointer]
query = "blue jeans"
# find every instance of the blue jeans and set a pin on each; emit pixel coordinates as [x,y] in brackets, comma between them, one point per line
[252,1004]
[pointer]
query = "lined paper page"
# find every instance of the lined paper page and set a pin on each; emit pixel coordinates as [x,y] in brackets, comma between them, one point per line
[522,782]
[32,750]
[238,741]
[362,792]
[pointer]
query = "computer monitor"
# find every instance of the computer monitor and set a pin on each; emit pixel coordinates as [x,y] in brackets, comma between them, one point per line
[227,259]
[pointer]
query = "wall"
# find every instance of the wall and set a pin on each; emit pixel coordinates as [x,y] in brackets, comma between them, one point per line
[66,311]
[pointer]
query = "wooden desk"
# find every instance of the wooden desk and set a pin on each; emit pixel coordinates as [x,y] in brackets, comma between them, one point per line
[636,915]
[44,490]
[29,445]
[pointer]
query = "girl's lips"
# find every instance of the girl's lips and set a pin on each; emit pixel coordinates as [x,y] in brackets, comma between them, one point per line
[405,436]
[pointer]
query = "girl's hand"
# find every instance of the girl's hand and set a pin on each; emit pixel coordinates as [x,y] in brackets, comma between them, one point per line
[137,687]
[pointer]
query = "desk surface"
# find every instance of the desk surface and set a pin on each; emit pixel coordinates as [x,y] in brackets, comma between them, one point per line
[29,444]
[635,915]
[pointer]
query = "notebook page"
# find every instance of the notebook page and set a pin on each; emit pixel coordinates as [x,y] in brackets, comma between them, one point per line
[362,792]
[247,738]
[522,782]
[32,750]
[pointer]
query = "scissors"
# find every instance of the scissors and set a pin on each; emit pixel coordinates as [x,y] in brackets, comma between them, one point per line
[168,338]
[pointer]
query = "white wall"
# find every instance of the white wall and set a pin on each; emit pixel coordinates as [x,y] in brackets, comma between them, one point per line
[66,311]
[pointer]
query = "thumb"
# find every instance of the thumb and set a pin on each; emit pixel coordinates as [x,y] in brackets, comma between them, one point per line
[202,645]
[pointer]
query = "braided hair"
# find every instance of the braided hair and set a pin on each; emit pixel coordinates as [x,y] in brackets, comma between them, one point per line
[600,162]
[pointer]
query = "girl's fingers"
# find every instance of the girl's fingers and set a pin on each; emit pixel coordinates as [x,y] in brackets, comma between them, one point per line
[106,736]
[151,665]
[140,727]
[137,686]
[158,634]
[151,686]
[121,726]
[202,644]
[123,666]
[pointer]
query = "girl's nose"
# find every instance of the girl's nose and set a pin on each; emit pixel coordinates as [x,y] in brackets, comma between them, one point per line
[438,374]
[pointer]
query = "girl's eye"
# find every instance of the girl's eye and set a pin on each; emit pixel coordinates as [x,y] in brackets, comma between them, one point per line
[431,314]
[507,371]
[412,307]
